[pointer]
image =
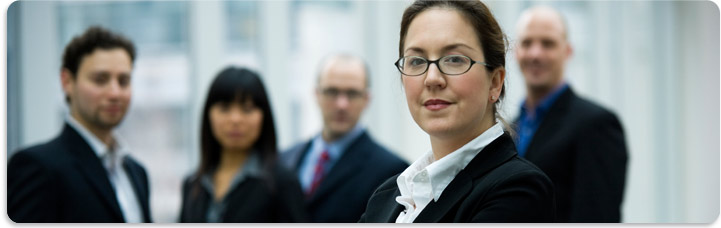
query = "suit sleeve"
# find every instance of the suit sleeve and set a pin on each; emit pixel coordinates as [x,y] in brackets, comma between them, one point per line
[31,189]
[362,218]
[523,197]
[183,217]
[600,175]
[290,205]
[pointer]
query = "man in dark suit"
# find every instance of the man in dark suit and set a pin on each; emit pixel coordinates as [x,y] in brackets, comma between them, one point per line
[577,143]
[85,174]
[341,167]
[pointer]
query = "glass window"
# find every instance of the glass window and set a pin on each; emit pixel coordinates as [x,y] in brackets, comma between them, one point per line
[243,33]
[310,23]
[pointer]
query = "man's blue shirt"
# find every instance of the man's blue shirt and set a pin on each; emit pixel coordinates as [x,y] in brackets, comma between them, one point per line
[530,121]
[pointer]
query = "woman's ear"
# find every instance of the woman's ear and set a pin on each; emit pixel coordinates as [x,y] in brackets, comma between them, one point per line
[498,77]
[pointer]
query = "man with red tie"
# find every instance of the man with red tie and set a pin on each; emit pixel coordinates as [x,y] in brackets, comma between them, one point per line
[341,167]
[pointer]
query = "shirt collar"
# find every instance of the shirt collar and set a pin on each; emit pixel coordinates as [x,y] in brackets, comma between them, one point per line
[337,147]
[405,179]
[252,167]
[444,170]
[99,147]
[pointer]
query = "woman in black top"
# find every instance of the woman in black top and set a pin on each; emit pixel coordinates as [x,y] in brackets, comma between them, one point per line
[452,59]
[239,179]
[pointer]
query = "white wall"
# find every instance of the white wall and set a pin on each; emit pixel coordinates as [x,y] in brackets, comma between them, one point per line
[699,109]
[41,93]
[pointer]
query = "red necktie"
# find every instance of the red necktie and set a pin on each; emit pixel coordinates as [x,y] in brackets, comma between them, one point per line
[318,175]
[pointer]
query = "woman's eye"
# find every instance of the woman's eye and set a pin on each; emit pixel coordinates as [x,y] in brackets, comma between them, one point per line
[225,107]
[248,109]
[417,62]
[456,59]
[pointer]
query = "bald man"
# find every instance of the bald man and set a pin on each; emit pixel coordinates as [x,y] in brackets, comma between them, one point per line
[341,167]
[578,144]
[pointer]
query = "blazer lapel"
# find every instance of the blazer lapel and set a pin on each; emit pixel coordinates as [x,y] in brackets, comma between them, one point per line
[296,155]
[390,209]
[454,192]
[382,206]
[554,117]
[89,164]
[488,159]
[343,170]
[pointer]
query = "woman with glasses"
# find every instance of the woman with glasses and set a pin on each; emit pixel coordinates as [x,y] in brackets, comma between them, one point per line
[452,59]
[239,179]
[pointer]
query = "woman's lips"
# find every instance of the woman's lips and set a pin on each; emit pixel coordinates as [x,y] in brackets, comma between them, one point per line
[436,104]
[235,134]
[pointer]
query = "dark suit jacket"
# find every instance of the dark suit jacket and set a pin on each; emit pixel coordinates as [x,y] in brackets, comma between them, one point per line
[581,147]
[64,181]
[496,186]
[255,199]
[344,191]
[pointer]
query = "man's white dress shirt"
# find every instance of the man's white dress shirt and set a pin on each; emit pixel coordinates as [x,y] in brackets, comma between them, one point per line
[112,159]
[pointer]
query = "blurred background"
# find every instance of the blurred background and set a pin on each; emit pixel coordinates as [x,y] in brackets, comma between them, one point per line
[655,63]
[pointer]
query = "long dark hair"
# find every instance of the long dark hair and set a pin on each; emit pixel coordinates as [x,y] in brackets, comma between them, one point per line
[237,85]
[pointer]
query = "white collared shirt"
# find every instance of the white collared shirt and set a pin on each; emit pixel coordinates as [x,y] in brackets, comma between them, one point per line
[112,159]
[426,178]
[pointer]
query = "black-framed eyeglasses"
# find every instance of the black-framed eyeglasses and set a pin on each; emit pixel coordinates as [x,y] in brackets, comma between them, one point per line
[449,64]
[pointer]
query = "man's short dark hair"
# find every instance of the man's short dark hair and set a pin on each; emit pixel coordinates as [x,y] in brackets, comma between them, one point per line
[94,38]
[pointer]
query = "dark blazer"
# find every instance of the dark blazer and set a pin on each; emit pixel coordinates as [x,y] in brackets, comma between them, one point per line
[496,186]
[64,181]
[255,199]
[344,191]
[581,147]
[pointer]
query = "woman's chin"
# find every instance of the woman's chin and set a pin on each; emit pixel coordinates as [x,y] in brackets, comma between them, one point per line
[438,129]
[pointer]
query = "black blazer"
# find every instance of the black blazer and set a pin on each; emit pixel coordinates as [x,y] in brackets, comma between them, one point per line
[581,147]
[255,199]
[64,181]
[496,186]
[344,192]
